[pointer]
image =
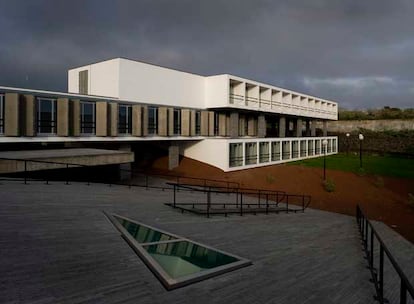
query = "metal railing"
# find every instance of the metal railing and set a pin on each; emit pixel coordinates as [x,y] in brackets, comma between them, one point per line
[66,176]
[369,237]
[261,201]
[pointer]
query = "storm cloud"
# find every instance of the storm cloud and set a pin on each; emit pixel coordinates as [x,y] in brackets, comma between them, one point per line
[358,53]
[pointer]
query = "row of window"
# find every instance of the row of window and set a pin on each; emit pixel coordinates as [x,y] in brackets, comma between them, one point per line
[276,152]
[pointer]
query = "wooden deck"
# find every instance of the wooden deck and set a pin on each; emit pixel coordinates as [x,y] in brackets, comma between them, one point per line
[58,247]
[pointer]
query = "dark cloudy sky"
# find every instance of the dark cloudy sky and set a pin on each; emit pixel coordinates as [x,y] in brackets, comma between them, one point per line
[357,52]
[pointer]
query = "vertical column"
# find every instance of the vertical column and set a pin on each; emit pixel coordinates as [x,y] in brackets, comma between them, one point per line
[222,124]
[234,125]
[101,118]
[298,132]
[251,126]
[125,169]
[11,114]
[63,117]
[313,128]
[136,120]
[75,117]
[211,123]
[170,120]
[308,131]
[185,122]
[173,156]
[164,117]
[261,126]
[29,115]
[204,123]
[242,125]
[282,127]
[144,110]
[325,128]
[192,122]
[112,119]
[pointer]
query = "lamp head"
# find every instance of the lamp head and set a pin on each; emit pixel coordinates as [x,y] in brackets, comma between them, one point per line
[324,142]
[347,134]
[361,137]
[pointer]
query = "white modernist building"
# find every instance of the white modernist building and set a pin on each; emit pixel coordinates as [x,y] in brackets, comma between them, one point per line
[226,121]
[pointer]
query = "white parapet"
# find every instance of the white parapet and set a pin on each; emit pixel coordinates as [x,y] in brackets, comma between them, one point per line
[242,153]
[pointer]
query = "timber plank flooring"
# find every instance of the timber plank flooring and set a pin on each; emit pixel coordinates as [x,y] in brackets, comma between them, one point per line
[58,247]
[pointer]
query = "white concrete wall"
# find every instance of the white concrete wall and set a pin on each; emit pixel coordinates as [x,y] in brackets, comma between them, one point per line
[214,152]
[217,91]
[103,78]
[153,84]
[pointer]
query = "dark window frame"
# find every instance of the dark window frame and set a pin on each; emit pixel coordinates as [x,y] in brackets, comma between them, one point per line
[125,127]
[85,125]
[2,103]
[153,125]
[44,126]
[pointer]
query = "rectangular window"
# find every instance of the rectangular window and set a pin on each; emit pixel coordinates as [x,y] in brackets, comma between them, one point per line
[87,117]
[251,153]
[236,155]
[83,82]
[198,123]
[46,116]
[1,113]
[264,152]
[152,120]
[177,122]
[275,151]
[124,119]
[216,124]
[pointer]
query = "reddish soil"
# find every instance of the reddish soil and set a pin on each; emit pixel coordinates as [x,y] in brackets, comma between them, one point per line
[384,199]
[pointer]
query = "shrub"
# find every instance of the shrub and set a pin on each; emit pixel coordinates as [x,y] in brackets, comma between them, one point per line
[329,185]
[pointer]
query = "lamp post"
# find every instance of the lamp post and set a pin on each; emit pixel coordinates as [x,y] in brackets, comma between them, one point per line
[324,144]
[347,143]
[361,138]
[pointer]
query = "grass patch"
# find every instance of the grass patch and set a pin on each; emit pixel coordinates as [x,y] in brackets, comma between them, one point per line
[371,164]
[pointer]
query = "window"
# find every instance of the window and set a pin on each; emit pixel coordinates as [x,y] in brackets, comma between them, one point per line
[275,151]
[87,118]
[177,122]
[236,155]
[152,120]
[251,153]
[1,113]
[46,116]
[124,119]
[264,152]
[83,82]
[198,123]
[216,124]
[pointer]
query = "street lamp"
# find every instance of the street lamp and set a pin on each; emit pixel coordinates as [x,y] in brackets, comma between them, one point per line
[361,138]
[347,143]
[324,144]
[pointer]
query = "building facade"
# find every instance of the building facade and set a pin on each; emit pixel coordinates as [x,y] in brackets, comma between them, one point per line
[226,121]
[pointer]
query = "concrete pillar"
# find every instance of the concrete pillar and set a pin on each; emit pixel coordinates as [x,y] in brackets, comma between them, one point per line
[251,126]
[234,125]
[298,132]
[101,118]
[204,123]
[211,123]
[125,170]
[308,131]
[75,117]
[185,122]
[62,117]
[11,114]
[313,128]
[325,128]
[222,124]
[136,120]
[261,126]
[170,121]
[144,110]
[173,156]
[163,121]
[29,115]
[242,126]
[282,127]
[112,119]
[192,122]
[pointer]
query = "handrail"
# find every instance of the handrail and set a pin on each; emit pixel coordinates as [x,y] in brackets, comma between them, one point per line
[364,224]
[205,181]
[280,197]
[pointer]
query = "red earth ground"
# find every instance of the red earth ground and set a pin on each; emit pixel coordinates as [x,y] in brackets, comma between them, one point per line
[384,199]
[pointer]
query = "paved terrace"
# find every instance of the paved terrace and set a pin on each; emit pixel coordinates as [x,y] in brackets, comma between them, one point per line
[58,247]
